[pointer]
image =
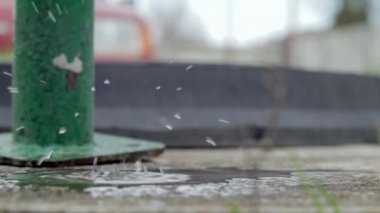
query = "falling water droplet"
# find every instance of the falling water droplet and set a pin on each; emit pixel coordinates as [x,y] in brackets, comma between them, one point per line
[93,89]
[19,128]
[138,166]
[58,9]
[189,67]
[169,127]
[76,114]
[177,116]
[35,7]
[210,141]
[12,89]
[45,157]
[62,130]
[224,121]
[158,87]
[107,82]
[52,17]
[95,161]
[7,73]
[179,89]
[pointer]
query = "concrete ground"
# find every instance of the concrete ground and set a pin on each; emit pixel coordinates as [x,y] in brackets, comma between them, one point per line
[297,179]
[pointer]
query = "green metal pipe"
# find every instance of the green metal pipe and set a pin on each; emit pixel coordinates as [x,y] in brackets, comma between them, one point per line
[53,72]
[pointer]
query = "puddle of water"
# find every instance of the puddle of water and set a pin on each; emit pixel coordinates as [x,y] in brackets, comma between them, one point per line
[231,188]
[134,182]
[203,183]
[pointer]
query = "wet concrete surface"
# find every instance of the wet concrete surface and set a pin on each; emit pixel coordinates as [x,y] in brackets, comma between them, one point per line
[310,179]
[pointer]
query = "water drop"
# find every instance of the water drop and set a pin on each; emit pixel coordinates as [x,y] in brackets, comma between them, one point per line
[19,128]
[35,7]
[177,116]
[189,67]
[179,89]
[210,141]
[95,161]
[58,9]
[107,82]
[76,114]
[169,127]
[62,130]
[12,89]
[224,121]
[52,17]
[7,73]
[158,87]
[161,170]
[46,156]
[138,166]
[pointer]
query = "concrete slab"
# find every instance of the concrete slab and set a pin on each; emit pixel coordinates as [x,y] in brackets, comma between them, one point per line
[310,179]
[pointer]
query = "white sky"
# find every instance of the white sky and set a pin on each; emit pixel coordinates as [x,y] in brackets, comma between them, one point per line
[256,20]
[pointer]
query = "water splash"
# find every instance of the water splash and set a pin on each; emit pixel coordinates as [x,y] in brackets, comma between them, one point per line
[35,7]
[58,9]
[62,130]
[20,128]
[13,90]
[210,141]
[223,121]
[45,157]
[7,73]
[177,116]
[188,68]
[231,188]
[169,127]
[52,17]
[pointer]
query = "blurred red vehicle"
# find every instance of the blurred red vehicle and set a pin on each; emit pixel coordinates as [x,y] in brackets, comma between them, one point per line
[120,33]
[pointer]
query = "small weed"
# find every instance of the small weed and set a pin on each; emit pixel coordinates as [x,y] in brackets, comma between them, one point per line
[310,186]
[232,207]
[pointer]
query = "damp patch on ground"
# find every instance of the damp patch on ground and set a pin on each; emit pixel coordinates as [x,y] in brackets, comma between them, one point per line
[202,183]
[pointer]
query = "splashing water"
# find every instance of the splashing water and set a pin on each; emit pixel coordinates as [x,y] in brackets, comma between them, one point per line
[138,167]
[224,121]
[20,128]
[7,73]
[210,141]
[35,7]
[58,9]
[45,157]
[62,130]
[12,89]
[177,116]
[52,17]
[95,161]
[189,67]
[169,127]
[230,188]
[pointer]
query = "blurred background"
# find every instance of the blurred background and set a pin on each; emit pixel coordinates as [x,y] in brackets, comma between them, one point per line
[323,35]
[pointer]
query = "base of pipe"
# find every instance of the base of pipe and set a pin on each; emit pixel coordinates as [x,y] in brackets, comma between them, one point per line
[105,149]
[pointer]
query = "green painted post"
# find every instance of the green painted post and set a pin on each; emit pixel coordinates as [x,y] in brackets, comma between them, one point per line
[53,72]
[53,101]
